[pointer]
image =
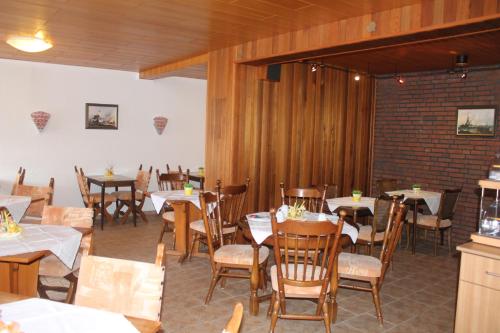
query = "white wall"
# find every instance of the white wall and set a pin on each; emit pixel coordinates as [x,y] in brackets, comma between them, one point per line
[62,91]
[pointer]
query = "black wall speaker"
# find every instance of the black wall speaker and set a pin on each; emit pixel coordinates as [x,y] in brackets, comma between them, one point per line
[274,72]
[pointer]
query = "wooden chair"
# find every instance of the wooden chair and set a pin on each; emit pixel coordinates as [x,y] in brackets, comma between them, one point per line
[41,196]
[226,257]
[232,203]
[18,180]
[124,198]
[313,198]
[128,287]
[332,191]
[169,182]
[386,185]
[233,325]
[93,200]
[442,221]
[373,233]
[292,277]
[51,266]
[363,268]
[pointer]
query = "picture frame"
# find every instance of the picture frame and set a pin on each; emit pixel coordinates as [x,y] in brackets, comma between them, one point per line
[476,121]
[101,116]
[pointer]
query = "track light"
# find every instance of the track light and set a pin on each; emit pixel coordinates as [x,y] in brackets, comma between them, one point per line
[314,67]
[463,75]
[400,80]
[357,77]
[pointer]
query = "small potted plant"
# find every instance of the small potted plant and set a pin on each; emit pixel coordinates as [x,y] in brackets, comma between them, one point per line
[356,195]
[188,189]
[416,187]
[201,171]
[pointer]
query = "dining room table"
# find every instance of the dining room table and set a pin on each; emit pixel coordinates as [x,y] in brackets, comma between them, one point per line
[116,181]
[35,315]
[256,227]
[364,206]
[414,199]
[20,254]
[187,208]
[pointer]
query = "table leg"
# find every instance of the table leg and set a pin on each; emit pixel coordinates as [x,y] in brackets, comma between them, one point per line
[254,281]
[20,279]
[414,227]
[103,191]
[185,212]
[134,211]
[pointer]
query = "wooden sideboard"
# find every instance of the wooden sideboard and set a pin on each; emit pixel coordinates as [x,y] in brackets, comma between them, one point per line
[479,289]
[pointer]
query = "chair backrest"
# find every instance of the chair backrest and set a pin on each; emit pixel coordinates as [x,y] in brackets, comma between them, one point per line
[313,199]
[210,211]
[45,193]
[170,181]
[142,179]
[132,288]
[381,214]
[72,217]
[397,214]
[295,240]
[448,203]
[82,184]
[18,180]
[232,199]
[386,185]
[233,325]
[332,191]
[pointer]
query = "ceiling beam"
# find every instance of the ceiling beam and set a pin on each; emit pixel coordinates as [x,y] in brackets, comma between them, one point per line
[194,67]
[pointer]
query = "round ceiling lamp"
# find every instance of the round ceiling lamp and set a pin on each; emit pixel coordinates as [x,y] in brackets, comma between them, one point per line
[37,43]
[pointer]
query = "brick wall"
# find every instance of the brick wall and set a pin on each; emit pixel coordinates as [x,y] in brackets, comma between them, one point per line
[415,139]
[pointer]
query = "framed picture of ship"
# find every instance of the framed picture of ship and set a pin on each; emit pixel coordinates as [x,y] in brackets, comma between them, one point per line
[476,121]
[101,116]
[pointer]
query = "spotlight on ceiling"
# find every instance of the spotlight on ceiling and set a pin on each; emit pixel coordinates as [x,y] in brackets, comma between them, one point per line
[357,77]
[463,75]
[400,79]
[37,43]
[314,67]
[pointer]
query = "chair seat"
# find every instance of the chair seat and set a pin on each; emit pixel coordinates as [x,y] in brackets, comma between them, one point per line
[95,198]
[239,254]
[199,226]
[352,265]
[127,195]
[169,216]
[53,267]
[429,221]
[296,291]
[365,234]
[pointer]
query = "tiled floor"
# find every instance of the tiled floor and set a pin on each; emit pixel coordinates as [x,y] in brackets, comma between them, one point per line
[418,295]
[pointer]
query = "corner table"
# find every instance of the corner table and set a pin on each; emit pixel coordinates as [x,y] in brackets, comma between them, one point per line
[415,199]
[113,181]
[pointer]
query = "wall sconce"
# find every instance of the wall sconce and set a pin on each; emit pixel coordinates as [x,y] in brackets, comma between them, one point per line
[40,119]
[160,123]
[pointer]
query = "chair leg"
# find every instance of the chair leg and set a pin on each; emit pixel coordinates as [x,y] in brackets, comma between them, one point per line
[436,240]
[274,315]
[326,316]
[408,236]
[126,215]
[213,283]
[163,229]
[449,241]
[73,280]
[376,301]
[271,303]
[194,240]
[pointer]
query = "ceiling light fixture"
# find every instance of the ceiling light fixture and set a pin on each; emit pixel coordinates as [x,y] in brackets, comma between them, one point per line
[463,75]
[37,43]
[400,80]
[357,77]
[314,67]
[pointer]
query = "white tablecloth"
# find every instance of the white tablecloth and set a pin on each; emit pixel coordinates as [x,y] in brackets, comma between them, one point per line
[159,198]
[260,225]
[37,315]
[365,202]
[16,205]
[432,199]
[62,241]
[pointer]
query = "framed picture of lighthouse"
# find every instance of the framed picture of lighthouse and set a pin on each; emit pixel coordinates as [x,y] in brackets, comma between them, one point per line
[101,116]
[476,121]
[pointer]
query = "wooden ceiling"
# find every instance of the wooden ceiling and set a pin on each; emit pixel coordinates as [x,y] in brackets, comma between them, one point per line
[137,34]
[481,48]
